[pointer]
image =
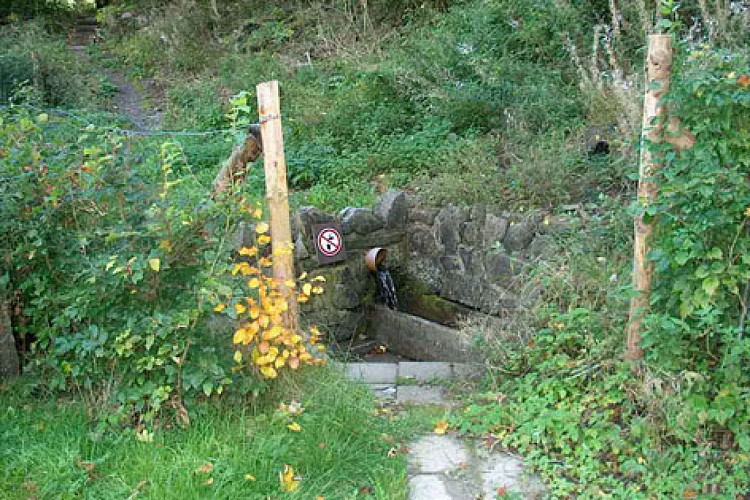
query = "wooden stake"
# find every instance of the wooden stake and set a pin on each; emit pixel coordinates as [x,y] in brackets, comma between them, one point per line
[659,66]
[276,191]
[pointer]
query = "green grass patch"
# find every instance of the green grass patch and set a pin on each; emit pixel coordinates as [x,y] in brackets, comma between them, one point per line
[51,450]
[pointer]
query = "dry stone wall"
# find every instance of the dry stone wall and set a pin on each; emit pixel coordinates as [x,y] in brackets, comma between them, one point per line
[472,256]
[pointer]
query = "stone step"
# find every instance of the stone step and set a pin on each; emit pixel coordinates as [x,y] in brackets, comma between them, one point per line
[405,372]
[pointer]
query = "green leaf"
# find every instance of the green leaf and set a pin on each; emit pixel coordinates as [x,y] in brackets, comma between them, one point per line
[710,285]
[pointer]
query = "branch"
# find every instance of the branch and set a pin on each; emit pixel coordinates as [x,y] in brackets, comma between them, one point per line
[234,170]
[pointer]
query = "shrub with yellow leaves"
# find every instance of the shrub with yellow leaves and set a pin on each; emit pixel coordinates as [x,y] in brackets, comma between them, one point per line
[265,343]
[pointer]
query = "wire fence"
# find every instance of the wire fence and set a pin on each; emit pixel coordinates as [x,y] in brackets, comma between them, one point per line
[125,131]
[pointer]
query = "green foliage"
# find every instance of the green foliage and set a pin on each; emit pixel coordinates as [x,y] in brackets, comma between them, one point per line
[580,417]
[36,64]
[342,446]
[118,253]
[702,250]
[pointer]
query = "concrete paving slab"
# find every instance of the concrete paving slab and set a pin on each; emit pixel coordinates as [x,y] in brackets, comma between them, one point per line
[509,472]
[425,370]
[428,487]
[373,373]
[437,454]
[421,395]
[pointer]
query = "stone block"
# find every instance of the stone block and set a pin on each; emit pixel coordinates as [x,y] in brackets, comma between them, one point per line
[421,395]
[494,230]
[467,371]
[392,207]
[359,220]
[380,238]
[519,235]
[447,228]
[421,241]
[416,337]
[373,373]
[423,215]
[425,370]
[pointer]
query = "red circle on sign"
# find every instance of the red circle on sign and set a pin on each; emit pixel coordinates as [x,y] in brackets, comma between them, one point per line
[329,242]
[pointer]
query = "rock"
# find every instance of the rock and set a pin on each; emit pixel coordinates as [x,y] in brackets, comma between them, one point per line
[494,230]
[497,267]
[421,241]
[359,220]
[393,208]
[519,236]
[311,215]
[447,226]
[300,250]
[422,215]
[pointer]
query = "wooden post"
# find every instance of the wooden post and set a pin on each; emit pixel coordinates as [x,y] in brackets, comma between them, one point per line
[658,70]
[276,190]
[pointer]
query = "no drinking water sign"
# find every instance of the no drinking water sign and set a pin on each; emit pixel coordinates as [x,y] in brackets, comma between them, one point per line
[329,244]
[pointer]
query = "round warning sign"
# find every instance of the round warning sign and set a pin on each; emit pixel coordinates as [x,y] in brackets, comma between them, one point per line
[329,242]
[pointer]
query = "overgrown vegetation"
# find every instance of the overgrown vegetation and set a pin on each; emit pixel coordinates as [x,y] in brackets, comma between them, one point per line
[340,449]
[477,101]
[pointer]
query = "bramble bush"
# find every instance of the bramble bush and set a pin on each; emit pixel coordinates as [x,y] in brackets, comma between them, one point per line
[117,263]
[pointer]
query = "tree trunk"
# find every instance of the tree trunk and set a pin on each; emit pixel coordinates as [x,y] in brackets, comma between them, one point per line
[9,366]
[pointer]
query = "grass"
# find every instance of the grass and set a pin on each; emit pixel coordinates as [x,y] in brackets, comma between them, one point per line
[51,450]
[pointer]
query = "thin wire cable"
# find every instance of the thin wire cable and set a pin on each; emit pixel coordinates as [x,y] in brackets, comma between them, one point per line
[124,131]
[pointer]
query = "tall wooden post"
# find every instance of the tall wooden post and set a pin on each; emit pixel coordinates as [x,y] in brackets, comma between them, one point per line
[659,66]
[276,190]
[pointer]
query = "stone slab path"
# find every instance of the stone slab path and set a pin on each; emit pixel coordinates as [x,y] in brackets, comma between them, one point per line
[445,467]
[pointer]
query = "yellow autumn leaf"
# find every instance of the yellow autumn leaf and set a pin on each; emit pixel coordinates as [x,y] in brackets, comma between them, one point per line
[314,331]
[294,427]
[303,298]
[307,288]
[280,362]
[441,427]
[290,283]
[249,251]
[254,311]
[273,332]
[253,283]
[268,371]
[219,307]
[317,290]
[289,482]
[265,261]
[261,228]
[250,477]
[264,239]
[238,356]
[263,320]
[319,278]
[154,264]
[242,268]
[303,276]
[240,308]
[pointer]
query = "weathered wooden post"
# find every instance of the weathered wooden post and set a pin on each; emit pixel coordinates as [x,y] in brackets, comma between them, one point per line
[658,70]
[276,191]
